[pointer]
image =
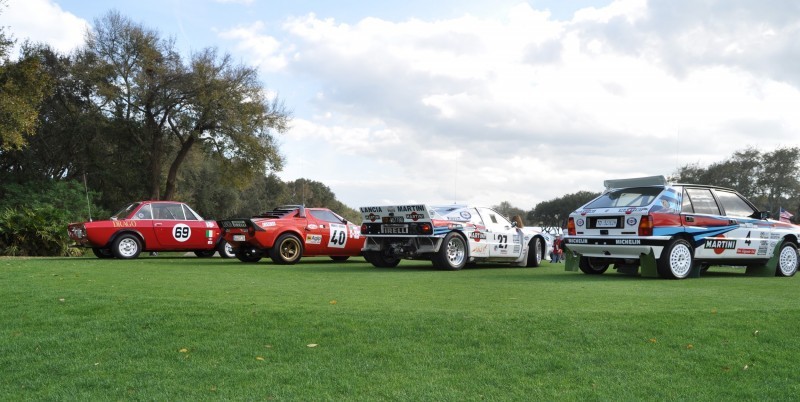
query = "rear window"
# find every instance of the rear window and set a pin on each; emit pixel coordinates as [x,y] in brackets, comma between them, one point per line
[626,198]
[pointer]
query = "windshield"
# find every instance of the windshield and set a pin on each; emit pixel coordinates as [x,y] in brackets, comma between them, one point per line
[125,212]
[626,197]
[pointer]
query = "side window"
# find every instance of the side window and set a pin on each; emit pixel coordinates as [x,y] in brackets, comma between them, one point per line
[733,204]
[190,216]
[474,217]
[686,204]
[703,201]
[492,218]
[168,211]
[326,216]
[144,212]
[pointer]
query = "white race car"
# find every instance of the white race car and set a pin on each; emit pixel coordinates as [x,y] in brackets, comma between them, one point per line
[677,230]
[450,236]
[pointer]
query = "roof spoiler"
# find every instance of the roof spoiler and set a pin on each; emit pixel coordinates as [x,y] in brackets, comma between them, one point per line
[636,182]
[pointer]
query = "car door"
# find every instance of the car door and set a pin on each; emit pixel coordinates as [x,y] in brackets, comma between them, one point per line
[751,233]
[704,219]
[330,234]
[176,231]
[503,239]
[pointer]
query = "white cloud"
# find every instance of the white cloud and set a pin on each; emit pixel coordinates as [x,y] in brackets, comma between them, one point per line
[527,108]
[43,21]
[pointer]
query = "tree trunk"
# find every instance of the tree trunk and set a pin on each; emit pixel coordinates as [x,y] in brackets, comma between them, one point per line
[172,176]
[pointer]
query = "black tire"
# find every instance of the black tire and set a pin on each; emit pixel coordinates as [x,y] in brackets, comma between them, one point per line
[205,253]
[535,252]
[340,258]
[102,252]
[225,250]
[787,260]
[287,250]
[452,255]
[381,259]
[248,254]
[593,266]
[126,246]
[676,260]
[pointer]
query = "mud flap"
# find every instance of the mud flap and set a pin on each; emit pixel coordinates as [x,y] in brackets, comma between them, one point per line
[571,261]
[770,267]
[647,264]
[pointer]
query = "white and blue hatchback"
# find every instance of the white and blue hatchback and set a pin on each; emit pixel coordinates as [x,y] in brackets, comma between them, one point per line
[676,230]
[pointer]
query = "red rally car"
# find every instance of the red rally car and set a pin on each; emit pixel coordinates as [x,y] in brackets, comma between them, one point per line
[290,232]
[150,226]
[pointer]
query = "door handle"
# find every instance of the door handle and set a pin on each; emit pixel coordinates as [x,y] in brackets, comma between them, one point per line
[690,219]
[157,224]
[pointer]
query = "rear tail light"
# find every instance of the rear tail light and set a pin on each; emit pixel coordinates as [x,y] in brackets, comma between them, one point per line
[426,228]
[646,226]
[364,228]
[571,227]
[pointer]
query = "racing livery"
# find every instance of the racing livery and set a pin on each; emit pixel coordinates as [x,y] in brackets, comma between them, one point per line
[676,230]
[287,233]
[150,226]
[450,236]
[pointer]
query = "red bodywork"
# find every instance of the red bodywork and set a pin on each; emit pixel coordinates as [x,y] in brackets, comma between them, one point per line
[158,226]
[301,232]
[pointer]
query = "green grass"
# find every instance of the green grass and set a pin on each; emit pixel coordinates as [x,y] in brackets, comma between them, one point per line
[164,328]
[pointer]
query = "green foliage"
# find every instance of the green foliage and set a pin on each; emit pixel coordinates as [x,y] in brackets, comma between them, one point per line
[23,85]
[34,218]
[201,329]
[553,213]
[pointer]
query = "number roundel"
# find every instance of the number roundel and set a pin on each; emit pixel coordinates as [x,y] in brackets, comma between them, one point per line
[181,232]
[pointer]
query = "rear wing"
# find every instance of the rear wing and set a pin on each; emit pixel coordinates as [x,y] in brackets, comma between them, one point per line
[636,182]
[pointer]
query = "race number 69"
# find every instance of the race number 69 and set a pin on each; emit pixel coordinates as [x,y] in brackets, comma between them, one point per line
[181,232]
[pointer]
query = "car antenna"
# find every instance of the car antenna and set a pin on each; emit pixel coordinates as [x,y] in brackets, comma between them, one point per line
[88,204]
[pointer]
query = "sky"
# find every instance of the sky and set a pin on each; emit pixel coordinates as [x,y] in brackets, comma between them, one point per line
[480,102]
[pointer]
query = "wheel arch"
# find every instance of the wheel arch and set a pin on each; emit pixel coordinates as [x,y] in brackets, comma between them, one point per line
[291,231]
[463,237]
[127,231]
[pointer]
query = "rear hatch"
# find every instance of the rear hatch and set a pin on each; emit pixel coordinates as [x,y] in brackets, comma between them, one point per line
[617,212]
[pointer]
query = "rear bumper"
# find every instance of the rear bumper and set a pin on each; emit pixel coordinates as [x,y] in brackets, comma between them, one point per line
[617,247]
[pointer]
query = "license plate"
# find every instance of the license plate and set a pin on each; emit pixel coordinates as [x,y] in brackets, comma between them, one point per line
[392,219]
[606,223]
[238,237]
[394,229]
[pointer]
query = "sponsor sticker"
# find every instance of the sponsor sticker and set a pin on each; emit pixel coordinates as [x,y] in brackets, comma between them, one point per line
[631,221]
[748,251]
[313,239]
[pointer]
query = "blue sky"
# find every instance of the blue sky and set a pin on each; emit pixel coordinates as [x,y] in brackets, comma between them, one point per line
[488,101]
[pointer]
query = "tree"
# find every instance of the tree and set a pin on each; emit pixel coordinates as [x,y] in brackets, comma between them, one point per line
[779,180]
[553,213]
[23,85]
[168,108]
[506,209]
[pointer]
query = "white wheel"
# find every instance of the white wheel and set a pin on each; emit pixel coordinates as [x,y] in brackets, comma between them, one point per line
[126,246]
[787,260]
[453,254]
[676,260]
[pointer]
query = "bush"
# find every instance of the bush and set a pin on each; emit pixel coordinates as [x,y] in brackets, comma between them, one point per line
[34,217]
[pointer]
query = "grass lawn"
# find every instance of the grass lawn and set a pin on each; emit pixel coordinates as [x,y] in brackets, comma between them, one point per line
[183,328]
